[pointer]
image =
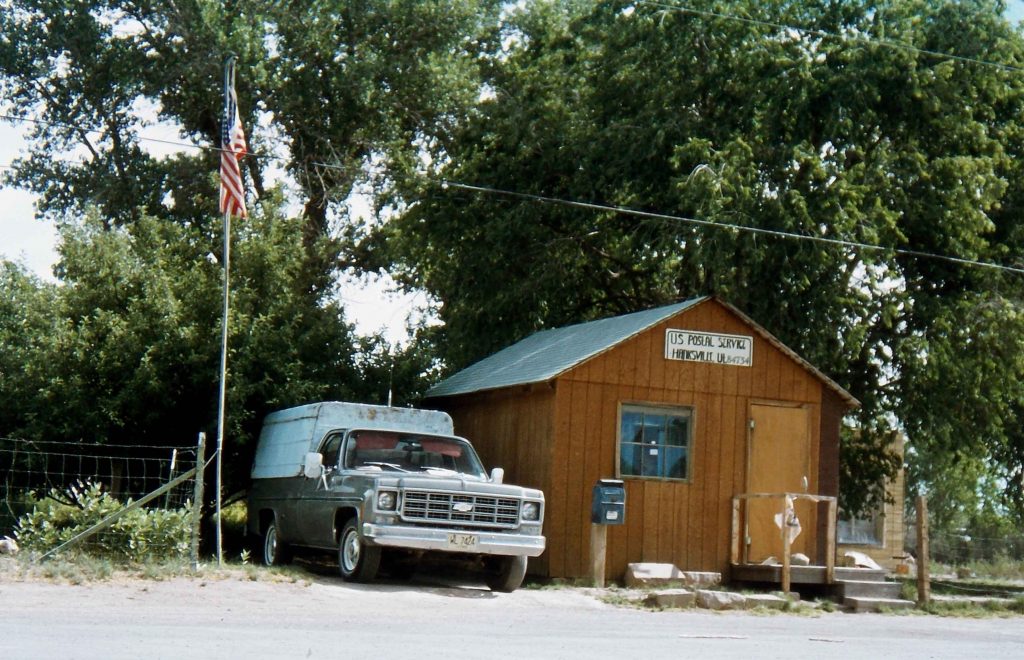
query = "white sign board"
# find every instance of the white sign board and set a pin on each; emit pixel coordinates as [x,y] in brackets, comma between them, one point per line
[710,348]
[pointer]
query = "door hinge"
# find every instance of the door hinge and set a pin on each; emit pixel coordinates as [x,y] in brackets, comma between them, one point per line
[751,424]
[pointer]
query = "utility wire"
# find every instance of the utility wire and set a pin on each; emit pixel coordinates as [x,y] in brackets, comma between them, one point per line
[141,138]
[896,45]
[622,210]
[615,209]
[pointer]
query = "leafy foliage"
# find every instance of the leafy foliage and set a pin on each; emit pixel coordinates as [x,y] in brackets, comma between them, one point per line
[139,535]
[844,127]
[127,347]
[814,132]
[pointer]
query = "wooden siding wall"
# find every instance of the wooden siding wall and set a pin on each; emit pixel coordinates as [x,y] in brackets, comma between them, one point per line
[687,524]
[562,437]
[511,429]
[832,412]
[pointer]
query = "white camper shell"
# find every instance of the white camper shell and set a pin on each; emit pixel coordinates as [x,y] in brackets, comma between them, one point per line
[288,435]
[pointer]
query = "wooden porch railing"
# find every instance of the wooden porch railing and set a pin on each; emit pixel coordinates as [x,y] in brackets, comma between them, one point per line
[738,550]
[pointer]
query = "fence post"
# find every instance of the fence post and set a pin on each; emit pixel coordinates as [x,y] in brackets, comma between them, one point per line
[197,503]
[923,582]
[170,476]
[598,553]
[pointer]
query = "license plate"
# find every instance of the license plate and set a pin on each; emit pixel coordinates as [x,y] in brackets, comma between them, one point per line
[462,541]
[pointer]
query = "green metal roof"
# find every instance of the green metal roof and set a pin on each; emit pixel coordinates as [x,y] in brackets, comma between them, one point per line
[548,353]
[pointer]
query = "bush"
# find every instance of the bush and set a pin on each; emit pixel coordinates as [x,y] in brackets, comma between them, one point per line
[139,535]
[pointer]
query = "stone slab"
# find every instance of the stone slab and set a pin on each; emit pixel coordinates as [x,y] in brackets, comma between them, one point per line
[671,598]
[649,574]
[860,605]
[720,600]
[767,601]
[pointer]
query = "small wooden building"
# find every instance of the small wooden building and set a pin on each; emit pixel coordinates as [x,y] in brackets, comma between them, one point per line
[692,405]
[880,533]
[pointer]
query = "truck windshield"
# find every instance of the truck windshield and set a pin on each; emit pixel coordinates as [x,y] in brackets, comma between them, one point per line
[410,452]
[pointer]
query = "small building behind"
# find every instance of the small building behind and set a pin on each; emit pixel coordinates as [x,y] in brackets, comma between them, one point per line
[691,405]
[880,534]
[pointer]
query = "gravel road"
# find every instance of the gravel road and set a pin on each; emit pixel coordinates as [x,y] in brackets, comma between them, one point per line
[228,615]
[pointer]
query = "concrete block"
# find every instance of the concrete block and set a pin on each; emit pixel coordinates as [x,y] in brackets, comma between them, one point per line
[720,600]
[671,598]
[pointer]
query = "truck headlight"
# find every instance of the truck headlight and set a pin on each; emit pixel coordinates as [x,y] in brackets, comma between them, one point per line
[386,500]
[529,511]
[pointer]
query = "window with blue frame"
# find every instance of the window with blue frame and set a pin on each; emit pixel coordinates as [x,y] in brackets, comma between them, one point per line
[654,441]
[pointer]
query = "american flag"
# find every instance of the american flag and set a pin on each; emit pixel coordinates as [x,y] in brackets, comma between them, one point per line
[232,195]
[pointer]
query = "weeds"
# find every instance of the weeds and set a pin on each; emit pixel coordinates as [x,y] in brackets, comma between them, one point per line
[138,535]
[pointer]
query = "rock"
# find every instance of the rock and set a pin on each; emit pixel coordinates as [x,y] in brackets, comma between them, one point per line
[643,574]
[701,578]
[648,574]
[671,598]
[767,601]
[855,559]
[720,600]
[8,546]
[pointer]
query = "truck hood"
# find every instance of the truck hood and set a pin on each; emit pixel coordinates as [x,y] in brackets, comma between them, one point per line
[467,485]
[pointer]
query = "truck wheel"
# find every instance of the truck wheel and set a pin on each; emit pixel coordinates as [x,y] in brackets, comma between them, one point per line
[507,574]
[357,561]
[275,552]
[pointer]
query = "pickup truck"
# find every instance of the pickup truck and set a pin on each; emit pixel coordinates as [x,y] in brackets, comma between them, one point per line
[389,487]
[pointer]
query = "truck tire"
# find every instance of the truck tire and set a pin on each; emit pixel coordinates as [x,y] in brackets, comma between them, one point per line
[507,574]
[275,552]
[357,561]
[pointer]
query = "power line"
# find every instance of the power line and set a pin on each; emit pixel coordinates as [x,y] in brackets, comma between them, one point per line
[897,45]
[141,138]
[622,210]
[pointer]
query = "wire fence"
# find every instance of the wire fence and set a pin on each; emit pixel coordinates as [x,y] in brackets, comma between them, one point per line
[963,549]
[52,492]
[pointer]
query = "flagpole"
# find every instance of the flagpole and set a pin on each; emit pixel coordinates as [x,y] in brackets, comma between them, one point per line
[228,86]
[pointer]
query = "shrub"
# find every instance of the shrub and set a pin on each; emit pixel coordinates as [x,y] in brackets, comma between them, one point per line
[139,535]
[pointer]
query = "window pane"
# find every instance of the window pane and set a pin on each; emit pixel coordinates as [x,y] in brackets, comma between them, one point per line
[651,458]
[654,442]
[675,462]
[654,429]
[632,426]
[629,459]
[678,431]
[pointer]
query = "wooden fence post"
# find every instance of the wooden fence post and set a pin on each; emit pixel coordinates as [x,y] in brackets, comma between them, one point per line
[197,503]
[786,549]
[598,552]
[923,582]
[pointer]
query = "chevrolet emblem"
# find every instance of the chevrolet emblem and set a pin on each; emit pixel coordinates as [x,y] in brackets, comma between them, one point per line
[462,507]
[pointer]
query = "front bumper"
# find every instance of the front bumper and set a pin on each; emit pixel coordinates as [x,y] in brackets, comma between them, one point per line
[427,538]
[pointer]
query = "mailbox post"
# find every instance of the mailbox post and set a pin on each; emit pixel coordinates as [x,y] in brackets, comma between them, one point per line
[607,508]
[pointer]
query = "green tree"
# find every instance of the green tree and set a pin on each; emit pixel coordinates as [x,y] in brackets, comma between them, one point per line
[349,95]
[127,349]
[828,131]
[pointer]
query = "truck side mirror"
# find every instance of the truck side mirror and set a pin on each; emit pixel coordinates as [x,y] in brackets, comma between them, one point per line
[313,466]
[497,475]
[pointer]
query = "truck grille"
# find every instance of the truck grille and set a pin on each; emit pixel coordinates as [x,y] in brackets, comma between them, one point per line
[460,509]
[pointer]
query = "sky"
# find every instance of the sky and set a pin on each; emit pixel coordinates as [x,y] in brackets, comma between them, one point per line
[372,305]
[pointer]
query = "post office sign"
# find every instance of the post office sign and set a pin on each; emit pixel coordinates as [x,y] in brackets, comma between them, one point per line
[710,348]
